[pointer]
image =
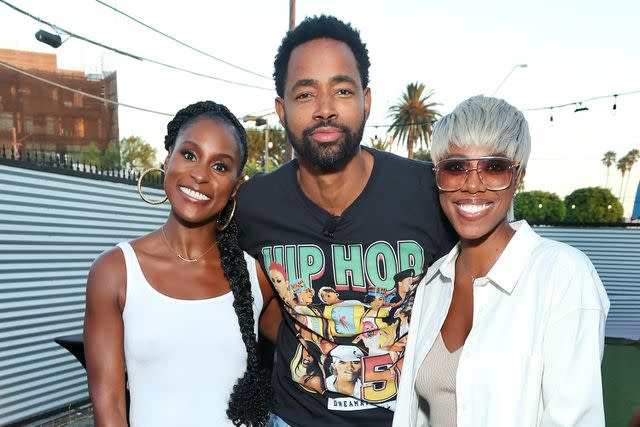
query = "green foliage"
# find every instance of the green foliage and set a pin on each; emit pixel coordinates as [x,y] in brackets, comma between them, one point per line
[422,154]
[137,155]
[593,204]
[111,157]
[538,207]
[91,154]
[413,117]
[255,142]
[379,143]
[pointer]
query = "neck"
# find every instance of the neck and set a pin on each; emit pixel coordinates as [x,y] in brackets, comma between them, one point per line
[335,191]
[477,256]
[188,240]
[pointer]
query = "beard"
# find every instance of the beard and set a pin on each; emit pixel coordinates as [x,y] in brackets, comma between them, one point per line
[327,156]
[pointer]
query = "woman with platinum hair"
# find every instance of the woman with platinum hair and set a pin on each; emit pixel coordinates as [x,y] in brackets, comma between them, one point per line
[508,328]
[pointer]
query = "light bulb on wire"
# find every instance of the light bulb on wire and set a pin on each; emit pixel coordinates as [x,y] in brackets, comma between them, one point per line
[551,118]
[614,110]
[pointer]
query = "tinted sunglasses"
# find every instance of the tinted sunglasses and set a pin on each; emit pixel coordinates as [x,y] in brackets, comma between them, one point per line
[495,173]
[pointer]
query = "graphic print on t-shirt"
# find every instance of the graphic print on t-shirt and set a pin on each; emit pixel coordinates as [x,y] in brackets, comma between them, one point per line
[351,308]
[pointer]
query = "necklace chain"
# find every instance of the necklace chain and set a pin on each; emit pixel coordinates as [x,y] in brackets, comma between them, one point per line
[185,259]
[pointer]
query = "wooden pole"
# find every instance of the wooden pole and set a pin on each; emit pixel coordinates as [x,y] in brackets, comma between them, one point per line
[292,25]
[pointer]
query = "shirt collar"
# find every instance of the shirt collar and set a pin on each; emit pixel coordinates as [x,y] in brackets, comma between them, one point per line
[506,272]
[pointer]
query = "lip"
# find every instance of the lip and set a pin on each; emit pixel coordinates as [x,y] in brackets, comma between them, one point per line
[326,134]
[193,195]
[473,209]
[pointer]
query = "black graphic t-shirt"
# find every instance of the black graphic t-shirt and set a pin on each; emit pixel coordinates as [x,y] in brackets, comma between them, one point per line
[347,284]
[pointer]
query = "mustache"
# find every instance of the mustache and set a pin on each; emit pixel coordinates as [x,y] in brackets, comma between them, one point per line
[325,123]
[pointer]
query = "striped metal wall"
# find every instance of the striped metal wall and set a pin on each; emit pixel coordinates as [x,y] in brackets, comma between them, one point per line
[52,227]
[615,253]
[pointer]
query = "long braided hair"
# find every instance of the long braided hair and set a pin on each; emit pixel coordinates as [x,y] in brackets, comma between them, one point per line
[250,399]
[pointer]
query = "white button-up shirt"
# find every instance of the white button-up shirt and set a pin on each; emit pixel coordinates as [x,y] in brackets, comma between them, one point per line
[532,357]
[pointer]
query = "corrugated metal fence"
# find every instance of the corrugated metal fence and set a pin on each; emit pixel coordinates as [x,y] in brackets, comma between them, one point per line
[52,226]
[615,252]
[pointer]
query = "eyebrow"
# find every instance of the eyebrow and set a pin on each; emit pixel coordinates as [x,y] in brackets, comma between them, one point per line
[217,155]
[340,78]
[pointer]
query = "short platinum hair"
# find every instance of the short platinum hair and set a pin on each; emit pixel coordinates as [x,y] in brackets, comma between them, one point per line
[486,122]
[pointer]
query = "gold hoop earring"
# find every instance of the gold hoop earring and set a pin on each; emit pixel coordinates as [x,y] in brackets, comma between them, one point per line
[221,226]
[142,196]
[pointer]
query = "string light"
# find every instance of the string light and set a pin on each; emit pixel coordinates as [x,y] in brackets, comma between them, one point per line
[551,118]
[576,103]
[580,107]
[614,110]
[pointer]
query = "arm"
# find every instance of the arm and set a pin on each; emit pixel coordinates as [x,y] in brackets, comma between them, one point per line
[104,339]
[573,349]
[271,314]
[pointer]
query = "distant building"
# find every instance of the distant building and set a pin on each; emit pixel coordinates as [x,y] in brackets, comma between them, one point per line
[42,118]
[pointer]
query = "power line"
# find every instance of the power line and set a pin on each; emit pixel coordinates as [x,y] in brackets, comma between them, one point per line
[124,53]
[550,107]
[88,95]
[182,43]
[613,95]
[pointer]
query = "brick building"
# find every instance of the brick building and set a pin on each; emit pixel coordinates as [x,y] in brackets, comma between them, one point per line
[43,118]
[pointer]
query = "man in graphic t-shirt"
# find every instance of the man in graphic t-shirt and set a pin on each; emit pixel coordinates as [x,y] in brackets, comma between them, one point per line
[342,232]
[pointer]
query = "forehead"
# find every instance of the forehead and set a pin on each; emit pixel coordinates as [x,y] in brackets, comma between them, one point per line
[210,134]
[321,59]
[471,151]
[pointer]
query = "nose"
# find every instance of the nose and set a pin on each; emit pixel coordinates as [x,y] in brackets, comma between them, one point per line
[473,182]
[325,106]
[199,172]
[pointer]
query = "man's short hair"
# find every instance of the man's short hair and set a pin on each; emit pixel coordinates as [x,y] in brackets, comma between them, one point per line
[320,27]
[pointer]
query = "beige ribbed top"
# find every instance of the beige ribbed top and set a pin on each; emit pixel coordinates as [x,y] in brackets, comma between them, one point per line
[436,383]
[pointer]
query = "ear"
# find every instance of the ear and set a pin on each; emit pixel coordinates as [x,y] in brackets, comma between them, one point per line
[239,182]
[520,176]
[166,159]
[280,110]
[367,102]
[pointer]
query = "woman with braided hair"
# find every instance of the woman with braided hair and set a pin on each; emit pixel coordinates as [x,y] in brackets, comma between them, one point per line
[177,309]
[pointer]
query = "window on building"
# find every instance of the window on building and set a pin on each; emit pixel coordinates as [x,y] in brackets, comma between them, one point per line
[68,104]
[28,124]
[77,100]
[78,127]
[54,94]
[6,121]
[49,125]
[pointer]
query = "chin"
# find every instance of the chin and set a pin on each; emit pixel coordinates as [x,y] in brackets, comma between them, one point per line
[477,231]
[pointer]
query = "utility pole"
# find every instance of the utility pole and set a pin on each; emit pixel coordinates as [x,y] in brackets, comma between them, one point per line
[292,14]
[292,24]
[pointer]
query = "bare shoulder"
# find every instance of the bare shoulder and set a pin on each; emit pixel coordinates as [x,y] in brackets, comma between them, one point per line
[107,277]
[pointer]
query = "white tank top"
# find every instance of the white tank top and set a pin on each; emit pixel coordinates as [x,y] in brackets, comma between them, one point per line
[183,357]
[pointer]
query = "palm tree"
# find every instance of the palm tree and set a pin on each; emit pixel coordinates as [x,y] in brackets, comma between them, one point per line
[413,117]
[608,160]
[379,144]
[622,167]
[632,157]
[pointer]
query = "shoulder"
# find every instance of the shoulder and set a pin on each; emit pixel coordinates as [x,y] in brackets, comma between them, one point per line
[261,182]
[107,276]
[110,261]
[574,281]
[556,253]
[403,165]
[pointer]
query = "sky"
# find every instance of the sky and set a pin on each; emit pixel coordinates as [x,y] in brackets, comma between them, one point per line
[574,50]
